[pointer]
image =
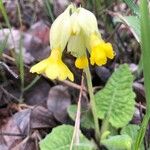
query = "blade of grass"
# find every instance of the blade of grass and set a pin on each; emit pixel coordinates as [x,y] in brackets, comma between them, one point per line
[48,10]
[4,14]
[21,68]
[134,7]
[20,57]
[3,11]
[6,18]
[140,67]
[32,83]
[145,45]
[3,45]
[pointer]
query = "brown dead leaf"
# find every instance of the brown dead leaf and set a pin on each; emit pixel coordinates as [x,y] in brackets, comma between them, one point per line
[38,94]
[13,131]
[41,118]
[22,120]
[29,143]
[58,101]
[21,125]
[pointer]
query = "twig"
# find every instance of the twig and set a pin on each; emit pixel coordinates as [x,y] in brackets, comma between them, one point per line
[74,85]
[11,134]
[8,69]
[76,133]
[12,59]
[9,94]
[140,106]
[25,106]
[95,88]
[8,57]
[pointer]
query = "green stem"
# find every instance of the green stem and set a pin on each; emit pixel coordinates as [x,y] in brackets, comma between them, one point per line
[92,102]
[105,126]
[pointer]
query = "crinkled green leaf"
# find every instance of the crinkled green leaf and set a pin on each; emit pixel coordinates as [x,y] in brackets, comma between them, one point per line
[132,130]
[86,116]
[116,101]
[60,139]
[118,142]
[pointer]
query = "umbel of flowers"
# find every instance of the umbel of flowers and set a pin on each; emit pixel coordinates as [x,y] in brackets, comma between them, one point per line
[77,29]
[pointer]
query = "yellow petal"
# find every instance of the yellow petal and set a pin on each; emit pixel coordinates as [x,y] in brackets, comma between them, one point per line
[87,21]
[95,40]
[39,67]
[98,56]
[100,50]
[58,70]
[56,54]
[61,30]
[109,51]
[81,62]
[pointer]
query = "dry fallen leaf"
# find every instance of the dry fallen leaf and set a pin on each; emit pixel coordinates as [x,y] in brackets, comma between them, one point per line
[58,101]
[19,128]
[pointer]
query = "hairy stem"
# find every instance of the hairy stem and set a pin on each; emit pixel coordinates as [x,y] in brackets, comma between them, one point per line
[92,102]
[104,128]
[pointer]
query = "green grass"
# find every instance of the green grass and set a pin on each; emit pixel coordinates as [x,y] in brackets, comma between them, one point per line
[32,83]
[19,58]
[48,10]
[145,46]
[3,11]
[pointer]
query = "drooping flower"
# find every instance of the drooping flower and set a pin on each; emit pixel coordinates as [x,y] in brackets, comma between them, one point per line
[53,67]
[88,38]
[100,51]
[77,29]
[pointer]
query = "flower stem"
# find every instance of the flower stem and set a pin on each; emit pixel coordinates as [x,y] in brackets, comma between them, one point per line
[104,127]
[92,102]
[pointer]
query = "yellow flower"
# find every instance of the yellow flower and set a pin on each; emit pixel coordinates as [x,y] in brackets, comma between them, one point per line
[85,35]
[53,67]
[60,32]
[77,29]
[100,51]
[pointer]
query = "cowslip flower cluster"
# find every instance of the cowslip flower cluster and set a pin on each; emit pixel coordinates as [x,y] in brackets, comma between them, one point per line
[77,29]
